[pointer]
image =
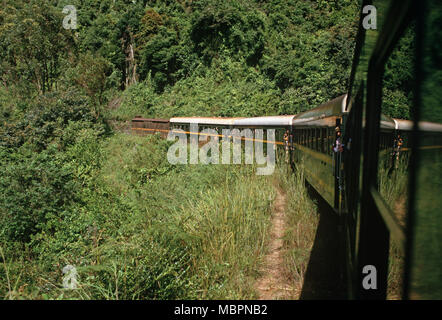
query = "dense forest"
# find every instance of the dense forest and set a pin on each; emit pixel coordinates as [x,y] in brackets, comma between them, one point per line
[75,190]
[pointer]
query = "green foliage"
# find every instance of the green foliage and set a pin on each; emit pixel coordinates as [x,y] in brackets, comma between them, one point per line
[36,189]
[235,25]
[137,100]
[311,55]
[138,228]
[396,104]
[91,74]
[229,88]
[160,57]
[43,120]
[7,106]
[398,80]
[32,44]
[303,49]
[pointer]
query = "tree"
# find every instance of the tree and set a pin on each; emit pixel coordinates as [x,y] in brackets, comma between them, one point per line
[34,44]
[91,75]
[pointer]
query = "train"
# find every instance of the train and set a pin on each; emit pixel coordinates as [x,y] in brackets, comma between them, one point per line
[312,137]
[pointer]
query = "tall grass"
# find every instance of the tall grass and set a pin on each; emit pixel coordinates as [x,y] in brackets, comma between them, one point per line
[145,229]
[302,222]
[393,186]
[230,223]
[219,213]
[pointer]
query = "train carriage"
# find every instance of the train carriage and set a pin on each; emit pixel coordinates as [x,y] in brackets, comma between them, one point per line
[316,134]
[143,126]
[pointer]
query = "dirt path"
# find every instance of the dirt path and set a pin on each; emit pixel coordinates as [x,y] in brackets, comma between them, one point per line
[274,284]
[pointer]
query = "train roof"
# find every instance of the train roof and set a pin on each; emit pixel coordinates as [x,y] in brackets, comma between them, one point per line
[407,125]
[323,115]
[335,107]
[387,122]
[268,121]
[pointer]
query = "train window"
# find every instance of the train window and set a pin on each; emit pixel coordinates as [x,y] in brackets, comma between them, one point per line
[392,171]
[311,138]
[324,140]
[320,139]
[317,137]
[330,140]
[308,137]
[313,134]
[314,138]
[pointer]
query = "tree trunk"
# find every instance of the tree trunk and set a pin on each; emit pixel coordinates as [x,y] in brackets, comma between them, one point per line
[131,65]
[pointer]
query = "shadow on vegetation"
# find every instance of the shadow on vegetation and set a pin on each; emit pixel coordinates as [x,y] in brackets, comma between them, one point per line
[323,278]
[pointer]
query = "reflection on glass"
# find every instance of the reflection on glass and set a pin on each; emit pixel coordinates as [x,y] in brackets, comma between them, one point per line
[394,149]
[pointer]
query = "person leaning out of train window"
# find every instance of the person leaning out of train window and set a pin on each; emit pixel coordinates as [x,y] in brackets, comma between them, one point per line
[399,141]
[286,140]
[338,146]
[397,144]
[286,145]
